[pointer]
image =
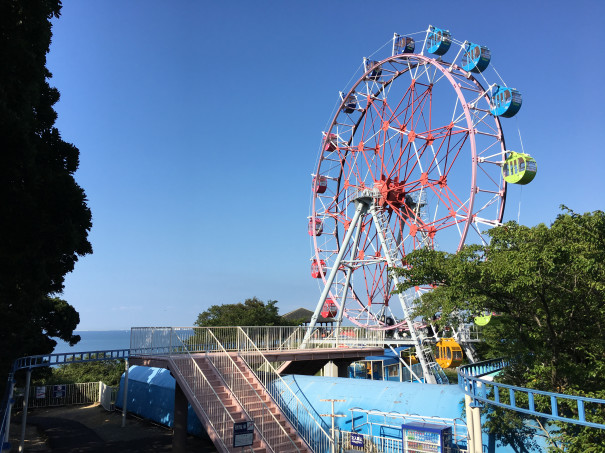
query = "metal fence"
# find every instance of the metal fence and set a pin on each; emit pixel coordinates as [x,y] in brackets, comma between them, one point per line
[382,430]
[371,444]
[170,340]
[216,414]
[307,423]
[578,410]
[68,394]
[265,421]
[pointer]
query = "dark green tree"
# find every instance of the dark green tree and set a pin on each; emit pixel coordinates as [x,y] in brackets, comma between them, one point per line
[547,286]
[45,219]
[107,371]
[253,312]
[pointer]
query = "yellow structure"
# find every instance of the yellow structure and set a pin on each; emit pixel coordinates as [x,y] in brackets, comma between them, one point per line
[449,353]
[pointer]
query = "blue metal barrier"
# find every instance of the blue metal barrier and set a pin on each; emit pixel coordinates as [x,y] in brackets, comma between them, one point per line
[38,361]
[489,392]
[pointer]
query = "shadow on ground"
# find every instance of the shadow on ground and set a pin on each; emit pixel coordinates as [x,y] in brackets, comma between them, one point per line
[91,429]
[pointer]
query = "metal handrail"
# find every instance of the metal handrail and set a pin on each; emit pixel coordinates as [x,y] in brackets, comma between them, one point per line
[44,360]
[488,392]
[371,443]
[157,340]
[201,386]
[235,380]
[303,419]
[393,420]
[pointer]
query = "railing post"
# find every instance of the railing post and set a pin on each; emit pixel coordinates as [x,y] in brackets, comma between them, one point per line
[4,442]
[25,403]
[125,396]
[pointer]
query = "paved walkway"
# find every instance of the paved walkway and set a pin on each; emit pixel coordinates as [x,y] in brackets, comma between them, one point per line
[91,429]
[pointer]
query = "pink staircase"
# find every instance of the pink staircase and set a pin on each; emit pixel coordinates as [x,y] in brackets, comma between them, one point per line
[240,385]
[227,391]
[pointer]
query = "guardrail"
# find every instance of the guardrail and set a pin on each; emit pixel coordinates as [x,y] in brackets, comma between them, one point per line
[299,414]
[44,360]
[563,408]
[383,430]
[162,340]
[265,422]
[211,404]
[371,444]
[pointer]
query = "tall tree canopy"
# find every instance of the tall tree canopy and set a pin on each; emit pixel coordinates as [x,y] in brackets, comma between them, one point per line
[45,219]
[547,286]
[253,312]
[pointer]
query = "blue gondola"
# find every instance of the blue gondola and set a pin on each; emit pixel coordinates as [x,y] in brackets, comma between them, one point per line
[505,102]
[438,41]
[350,103]
[386,367]
[376,70]
[403,44]
[475,57]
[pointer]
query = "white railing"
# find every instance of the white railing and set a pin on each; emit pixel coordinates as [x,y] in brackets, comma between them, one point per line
[268,426]
[210,403]
[61,395]
[380,422]
[371,444]
[468,333]
[163,341]
[406,375]
[302,416]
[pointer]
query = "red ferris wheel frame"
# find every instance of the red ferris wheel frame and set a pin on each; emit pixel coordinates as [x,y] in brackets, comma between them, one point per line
[419,172]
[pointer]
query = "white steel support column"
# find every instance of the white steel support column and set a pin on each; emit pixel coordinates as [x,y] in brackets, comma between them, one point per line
[428,375]
[476,409]
[470,435]
[406,365]
[349,273]
[360,209]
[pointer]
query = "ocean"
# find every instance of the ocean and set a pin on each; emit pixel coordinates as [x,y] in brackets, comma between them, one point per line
[95,340]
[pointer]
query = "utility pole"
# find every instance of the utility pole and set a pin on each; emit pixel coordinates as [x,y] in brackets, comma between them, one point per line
[333,416]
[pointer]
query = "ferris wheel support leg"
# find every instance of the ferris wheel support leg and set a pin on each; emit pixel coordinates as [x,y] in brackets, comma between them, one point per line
[348,277]
[428,376]
[360,209]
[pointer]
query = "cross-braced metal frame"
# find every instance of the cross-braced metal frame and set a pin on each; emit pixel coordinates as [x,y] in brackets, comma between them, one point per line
[411,160]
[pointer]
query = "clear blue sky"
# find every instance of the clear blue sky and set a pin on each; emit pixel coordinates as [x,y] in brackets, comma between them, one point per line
[199,124]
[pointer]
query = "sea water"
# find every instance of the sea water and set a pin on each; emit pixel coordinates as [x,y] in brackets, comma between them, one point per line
[95,340]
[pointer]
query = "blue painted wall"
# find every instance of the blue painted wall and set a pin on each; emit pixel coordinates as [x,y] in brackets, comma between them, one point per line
[445,401]
[151,395]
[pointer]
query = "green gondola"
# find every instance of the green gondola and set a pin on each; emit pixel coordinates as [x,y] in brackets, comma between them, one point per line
[519,168]
[483,320]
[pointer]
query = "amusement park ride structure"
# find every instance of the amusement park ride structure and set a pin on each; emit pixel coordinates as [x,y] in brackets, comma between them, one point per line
[415,157]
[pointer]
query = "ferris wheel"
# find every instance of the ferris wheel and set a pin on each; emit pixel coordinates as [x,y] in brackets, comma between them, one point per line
[415,157]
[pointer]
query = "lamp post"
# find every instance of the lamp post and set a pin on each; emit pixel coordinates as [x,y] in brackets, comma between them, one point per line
[333,416]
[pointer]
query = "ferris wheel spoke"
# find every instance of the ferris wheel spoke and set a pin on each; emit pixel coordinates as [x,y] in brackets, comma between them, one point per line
[403,147]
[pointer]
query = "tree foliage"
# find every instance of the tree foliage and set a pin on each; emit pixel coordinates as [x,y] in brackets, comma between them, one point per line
[108,371]
[253,312]
[547,286]
[45,220]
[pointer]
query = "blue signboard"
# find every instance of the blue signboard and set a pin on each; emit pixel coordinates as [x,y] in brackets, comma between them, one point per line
[243,434]
[356,440]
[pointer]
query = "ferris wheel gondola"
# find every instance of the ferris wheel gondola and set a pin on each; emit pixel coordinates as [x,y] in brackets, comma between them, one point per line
[415,163]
